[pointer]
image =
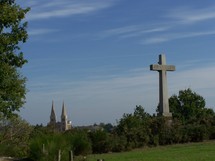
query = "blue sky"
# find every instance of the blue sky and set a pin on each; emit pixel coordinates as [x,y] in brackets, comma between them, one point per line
[95,54]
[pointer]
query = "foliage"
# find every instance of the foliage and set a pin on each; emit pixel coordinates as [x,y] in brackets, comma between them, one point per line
[187,106]
[45,147]
[14,132]
[197,121]
[80,142]
[100,141]
[12,33]
[118,143]
[191,122]
[135,128]
[12,90]
[107,127]
[14,137]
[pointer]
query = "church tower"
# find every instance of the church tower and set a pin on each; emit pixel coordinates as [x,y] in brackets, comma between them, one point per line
[52,116]
[62,125]
[64,121]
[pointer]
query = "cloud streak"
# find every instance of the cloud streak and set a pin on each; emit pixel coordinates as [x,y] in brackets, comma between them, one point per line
[169,29]
[65,8]
[174,36]
[190,15]
[36,32]
[131,31]
[183,17]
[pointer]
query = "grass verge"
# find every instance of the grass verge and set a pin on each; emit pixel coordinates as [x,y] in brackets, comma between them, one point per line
[204,151]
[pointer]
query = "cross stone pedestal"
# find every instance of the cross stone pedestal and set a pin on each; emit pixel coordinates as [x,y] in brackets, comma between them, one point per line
[162,68]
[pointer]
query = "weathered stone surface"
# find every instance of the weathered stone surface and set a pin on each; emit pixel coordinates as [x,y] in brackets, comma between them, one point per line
[157,67]
[161,67]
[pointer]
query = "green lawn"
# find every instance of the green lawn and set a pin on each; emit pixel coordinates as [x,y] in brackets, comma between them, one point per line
[184,152]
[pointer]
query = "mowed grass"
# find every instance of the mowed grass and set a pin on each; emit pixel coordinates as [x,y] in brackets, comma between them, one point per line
[204,151]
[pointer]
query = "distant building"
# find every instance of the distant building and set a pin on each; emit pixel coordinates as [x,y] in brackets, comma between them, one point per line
[64,124]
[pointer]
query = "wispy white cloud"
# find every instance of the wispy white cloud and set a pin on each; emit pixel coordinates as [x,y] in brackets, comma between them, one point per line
[155,40]
[198,78]
[180,18]
[122,30]
[131,31]
[146,31]
[168,30]
[64,8]
[192,15]
[34,32]
[173,36]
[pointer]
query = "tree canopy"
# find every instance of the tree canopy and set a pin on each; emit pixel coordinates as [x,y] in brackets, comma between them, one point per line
[135,127]
[12,34]
[188,106]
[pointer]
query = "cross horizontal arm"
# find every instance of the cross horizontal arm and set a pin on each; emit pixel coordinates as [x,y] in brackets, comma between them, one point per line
[157,67]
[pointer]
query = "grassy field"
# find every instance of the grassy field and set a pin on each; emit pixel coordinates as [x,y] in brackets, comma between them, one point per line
[184,152]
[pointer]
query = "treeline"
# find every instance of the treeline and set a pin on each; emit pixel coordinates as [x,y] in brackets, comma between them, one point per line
[191,122]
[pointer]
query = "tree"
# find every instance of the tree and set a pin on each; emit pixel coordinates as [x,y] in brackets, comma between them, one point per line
[14,137]
[135,127]
[187,106]
[197,120]
[100,141]
[12,90]
[12,34]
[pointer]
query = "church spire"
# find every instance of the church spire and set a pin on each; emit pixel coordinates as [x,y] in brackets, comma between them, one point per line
[63,114]
[64,125]
[52,116]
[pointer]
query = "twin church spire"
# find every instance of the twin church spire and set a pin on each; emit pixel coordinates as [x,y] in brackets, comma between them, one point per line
[64,124]
[53,115]
[63,114]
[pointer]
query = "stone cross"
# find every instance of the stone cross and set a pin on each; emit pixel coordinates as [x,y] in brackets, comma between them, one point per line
[161,67]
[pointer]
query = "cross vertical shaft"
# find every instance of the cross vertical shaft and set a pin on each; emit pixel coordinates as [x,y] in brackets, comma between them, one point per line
[162,68]
[163,92]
